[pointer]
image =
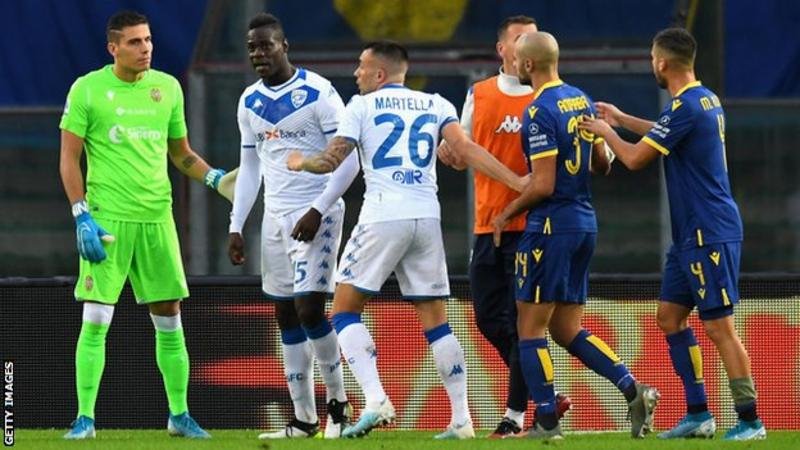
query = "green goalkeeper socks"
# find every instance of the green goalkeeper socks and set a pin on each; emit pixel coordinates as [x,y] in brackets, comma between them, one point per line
[173,361]
[90,359]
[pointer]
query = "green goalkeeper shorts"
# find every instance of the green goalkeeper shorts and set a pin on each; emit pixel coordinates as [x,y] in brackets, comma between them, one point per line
[147,253]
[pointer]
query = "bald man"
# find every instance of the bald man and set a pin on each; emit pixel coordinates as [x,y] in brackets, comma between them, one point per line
[552,259]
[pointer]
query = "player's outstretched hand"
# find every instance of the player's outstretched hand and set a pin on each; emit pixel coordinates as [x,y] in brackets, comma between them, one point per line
[597,126]
[449,157]
[91,237]
[227,183]
[609,113]
[236,249]
[306,228]
[499,223]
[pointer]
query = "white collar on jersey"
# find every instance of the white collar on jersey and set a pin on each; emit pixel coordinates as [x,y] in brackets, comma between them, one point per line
[510,85]
[295,75]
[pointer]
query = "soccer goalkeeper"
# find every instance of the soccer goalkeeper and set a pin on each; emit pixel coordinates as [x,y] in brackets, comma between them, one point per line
[130,119]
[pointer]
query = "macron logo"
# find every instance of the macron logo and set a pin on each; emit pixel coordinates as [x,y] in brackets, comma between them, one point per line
[510,124]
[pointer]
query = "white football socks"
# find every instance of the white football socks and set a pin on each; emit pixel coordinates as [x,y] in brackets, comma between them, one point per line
[359,351]
[299,370]
[326,350]
[449,359]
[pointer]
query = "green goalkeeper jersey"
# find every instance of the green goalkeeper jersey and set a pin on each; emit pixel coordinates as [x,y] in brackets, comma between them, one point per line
[125,127]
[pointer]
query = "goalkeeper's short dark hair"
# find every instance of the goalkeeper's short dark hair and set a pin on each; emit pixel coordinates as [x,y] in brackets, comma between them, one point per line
[121,20]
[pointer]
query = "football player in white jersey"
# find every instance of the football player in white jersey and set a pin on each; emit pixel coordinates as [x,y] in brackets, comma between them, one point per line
[396,130]
[291,108]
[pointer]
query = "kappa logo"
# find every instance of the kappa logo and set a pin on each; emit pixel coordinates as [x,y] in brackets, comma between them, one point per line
[510,124]
[299,97]
[456,370]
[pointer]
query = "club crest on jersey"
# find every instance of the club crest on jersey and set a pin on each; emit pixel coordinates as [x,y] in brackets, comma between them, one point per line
[155,94]
[299,97]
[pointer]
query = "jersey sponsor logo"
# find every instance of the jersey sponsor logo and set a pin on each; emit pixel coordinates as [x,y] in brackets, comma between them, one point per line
[536,141]
[660,128]
[533,128]
[118,133]
[155,94]
[278,133]
[299,97]
[135,111]
[510,124]
[407,176]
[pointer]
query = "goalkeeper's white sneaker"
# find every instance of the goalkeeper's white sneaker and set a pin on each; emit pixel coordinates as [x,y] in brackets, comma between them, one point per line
[294,429]
[457,431]
[384,415]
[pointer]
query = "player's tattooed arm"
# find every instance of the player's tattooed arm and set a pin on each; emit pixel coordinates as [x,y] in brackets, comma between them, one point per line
[186,160]
[338,149]
[189,161]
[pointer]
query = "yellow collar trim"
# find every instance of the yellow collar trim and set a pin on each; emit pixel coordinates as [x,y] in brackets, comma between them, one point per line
[549,84]
[693,84]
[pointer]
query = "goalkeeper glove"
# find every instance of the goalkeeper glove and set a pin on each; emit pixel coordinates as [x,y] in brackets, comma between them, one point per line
[221,182]
[90,235]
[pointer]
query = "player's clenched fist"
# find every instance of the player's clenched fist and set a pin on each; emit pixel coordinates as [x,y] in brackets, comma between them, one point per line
[236,249]
[90,236]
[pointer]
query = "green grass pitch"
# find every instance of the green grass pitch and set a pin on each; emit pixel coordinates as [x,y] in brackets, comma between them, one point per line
[383,440]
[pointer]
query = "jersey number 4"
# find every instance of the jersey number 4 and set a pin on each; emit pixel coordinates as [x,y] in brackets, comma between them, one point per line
[416,135]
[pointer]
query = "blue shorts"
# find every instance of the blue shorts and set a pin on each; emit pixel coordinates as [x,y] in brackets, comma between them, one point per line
[553,267]
[706,277]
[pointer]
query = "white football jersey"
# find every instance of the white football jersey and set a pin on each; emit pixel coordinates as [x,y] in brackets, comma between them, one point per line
[301,114]
[397,131]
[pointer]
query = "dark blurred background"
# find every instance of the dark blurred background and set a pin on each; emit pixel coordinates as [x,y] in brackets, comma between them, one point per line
[749,54]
